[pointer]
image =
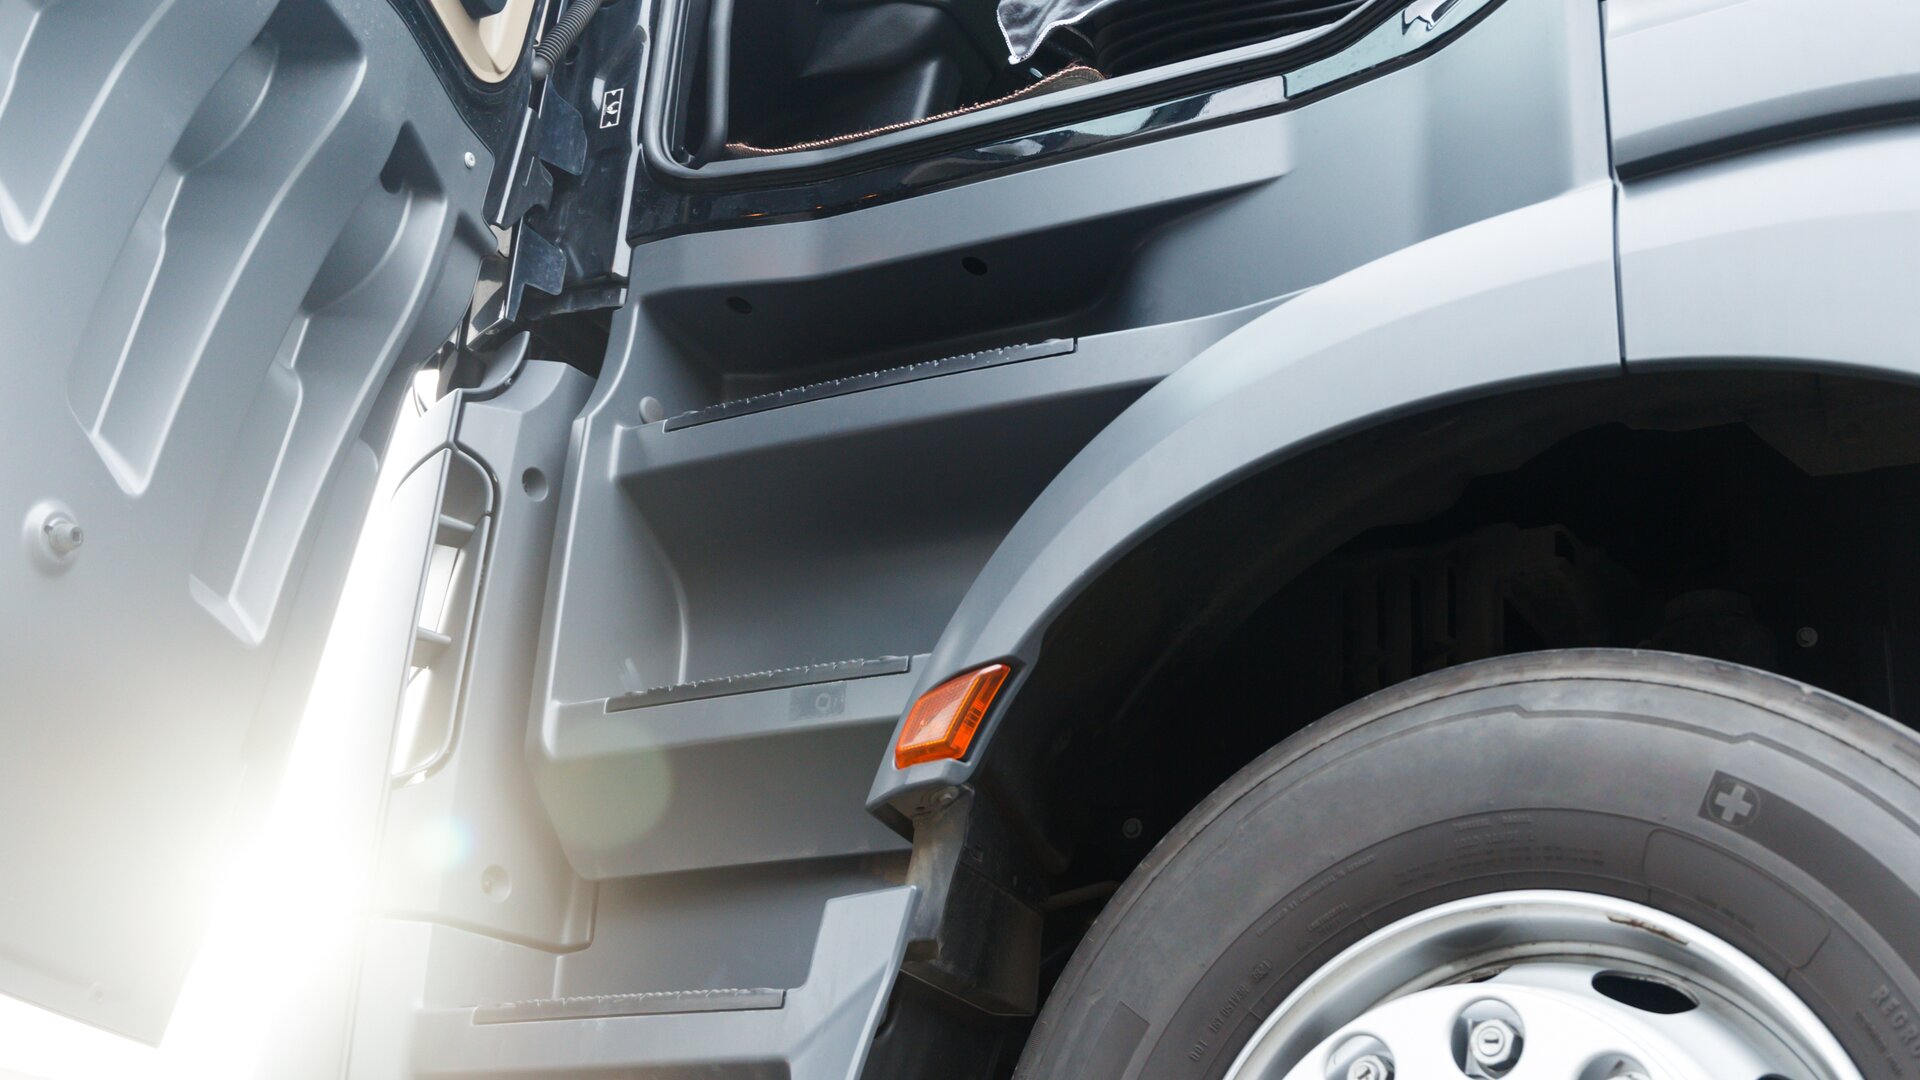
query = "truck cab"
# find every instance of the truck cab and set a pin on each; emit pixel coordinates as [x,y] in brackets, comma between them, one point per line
[942,538]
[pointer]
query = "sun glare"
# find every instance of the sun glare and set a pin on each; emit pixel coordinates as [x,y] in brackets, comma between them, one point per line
[289,906]
[284,908]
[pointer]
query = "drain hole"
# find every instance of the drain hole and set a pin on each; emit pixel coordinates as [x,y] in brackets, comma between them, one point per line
[740,304]
[1643,993]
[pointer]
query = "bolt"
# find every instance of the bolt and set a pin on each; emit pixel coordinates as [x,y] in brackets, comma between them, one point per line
[63,535]
[1806,637]
[1131,828]
[945,798]
[469,159]
[1494,1044]
[1370,1067]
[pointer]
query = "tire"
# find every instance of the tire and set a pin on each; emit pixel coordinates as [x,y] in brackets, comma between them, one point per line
[1600,771]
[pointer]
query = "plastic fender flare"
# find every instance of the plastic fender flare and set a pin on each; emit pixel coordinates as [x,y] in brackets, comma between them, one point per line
[1524,296]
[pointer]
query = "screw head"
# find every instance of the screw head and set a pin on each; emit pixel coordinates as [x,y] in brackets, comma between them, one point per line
[1494,1044]
[63,535]
[1370,1067]
[1132,828]
[52,535]
[1806,637]
[469,160]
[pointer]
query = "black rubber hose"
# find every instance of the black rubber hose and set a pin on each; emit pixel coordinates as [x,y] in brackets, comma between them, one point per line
[548,52]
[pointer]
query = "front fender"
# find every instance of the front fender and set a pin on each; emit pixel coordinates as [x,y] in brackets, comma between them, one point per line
[1524,296]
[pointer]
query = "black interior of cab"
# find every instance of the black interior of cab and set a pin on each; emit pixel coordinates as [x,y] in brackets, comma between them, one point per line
[773,76]
[802,71]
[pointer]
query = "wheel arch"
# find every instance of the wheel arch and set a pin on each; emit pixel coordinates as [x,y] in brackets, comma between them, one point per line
[1523,298]
[1788,259]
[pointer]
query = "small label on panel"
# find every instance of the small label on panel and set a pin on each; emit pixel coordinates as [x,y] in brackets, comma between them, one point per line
[819,701]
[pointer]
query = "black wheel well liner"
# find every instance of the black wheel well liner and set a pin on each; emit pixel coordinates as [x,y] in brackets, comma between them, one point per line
[1194,581]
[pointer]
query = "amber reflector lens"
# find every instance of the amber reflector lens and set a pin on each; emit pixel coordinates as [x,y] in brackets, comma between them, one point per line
[943,721]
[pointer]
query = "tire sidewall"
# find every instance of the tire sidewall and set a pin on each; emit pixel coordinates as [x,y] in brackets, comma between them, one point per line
[1773,816]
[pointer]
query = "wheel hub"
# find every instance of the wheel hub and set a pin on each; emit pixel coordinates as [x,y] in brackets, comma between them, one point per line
[1542,986]
[1570,1034]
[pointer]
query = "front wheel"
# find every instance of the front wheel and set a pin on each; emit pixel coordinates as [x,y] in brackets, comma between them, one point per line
[1579,865]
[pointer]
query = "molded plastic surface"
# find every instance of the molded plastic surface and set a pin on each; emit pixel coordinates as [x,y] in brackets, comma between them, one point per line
[723,781]
[1807,254]
[1688,78]
[1525,292]
[224,225]
[821,1031]
[1524,296]
[466,840]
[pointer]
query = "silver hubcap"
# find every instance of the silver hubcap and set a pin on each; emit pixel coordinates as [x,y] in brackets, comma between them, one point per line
[1542,986]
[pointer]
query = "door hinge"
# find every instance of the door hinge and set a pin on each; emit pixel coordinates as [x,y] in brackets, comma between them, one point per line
[561,204]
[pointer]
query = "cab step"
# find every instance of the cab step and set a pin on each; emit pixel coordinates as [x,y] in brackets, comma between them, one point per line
[819,1030]
[652,1003]
[777,679]
[893,376]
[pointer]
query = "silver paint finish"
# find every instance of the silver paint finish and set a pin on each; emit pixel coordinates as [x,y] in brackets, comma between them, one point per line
[1517,970]
[1683,74]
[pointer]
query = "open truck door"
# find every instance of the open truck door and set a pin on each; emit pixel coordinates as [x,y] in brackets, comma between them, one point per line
[233,229]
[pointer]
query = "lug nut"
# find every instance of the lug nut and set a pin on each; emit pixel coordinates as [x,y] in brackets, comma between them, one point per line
[1370,1067]
[1494,1044]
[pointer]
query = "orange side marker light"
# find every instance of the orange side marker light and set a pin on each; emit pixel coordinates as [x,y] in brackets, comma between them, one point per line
[941,724]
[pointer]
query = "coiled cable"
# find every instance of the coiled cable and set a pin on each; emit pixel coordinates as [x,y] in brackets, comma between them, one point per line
[554,45]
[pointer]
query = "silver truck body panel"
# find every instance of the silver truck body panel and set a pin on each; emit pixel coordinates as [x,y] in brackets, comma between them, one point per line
[1341,353]
[1690,78]
[1520,297]
[1796,254]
